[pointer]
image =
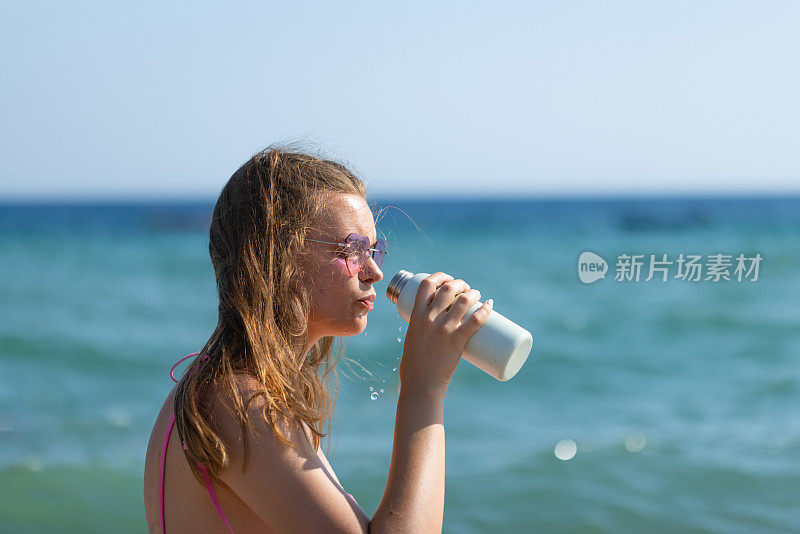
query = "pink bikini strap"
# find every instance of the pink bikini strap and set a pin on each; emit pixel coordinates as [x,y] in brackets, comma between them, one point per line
[203,472]
[213,495]
[161,470]
[172,370]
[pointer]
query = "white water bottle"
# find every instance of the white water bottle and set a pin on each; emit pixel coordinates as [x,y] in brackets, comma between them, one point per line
[499,347]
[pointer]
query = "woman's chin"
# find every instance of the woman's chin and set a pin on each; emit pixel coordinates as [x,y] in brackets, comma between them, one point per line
[355,328]
[360,325]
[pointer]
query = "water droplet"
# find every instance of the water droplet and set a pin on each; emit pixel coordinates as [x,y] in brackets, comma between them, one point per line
[400,329]
[635,442]
[381,390]
[384,380]
[565,449]
[399,339]
[366,333]
[374,395]
[371,388]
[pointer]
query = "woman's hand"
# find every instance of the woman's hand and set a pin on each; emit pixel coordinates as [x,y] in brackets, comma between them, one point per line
[436,337]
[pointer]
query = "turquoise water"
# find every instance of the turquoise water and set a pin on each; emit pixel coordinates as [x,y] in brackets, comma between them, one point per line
[682,399]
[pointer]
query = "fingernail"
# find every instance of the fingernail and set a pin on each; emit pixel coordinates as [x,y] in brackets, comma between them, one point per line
[490,302]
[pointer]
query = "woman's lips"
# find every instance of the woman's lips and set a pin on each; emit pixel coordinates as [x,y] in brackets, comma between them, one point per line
[368,304]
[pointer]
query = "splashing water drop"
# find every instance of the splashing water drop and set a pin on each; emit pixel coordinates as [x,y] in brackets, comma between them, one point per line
[636,442]
[374,395]
[399,339]
[381,390]
[400,329]
[366,333]
[371,388]
[565,449]
[394,369]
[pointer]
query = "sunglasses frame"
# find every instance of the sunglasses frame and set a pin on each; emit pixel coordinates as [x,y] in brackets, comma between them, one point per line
[354,238]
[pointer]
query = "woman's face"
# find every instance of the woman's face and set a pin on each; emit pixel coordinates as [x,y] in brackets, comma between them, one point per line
[335,293]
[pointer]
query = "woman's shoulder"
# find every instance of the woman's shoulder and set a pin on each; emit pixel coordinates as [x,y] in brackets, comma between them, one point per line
[265,421]
[278,481]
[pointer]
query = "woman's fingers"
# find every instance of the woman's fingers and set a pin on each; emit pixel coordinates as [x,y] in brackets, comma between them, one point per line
[427,290]
[446,294]
[475,321]
[461,304]
[438,293]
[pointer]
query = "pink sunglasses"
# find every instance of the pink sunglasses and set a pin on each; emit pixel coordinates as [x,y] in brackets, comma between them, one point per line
[358,250]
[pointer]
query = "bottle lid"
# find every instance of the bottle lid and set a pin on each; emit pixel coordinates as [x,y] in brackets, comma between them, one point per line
[397,283]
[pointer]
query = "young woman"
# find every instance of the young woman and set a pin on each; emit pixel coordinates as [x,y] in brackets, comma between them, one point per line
[296,256]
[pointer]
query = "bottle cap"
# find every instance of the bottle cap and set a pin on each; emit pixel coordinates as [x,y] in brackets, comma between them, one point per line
[397,283]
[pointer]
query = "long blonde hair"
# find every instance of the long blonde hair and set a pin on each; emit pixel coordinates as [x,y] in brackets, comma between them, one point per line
[256,241]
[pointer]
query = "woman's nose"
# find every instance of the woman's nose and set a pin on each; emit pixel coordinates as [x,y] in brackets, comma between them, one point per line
[371,272]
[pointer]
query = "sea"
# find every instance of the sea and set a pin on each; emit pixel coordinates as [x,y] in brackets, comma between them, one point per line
[662,393]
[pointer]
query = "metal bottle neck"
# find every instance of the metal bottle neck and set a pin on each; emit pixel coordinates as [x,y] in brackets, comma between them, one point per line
[397,283]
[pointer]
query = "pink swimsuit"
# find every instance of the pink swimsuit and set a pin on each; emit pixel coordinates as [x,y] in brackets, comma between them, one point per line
[203,472]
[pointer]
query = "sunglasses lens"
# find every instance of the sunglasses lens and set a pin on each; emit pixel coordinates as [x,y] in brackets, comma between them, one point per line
[358,250]
[380,254]
[353,266]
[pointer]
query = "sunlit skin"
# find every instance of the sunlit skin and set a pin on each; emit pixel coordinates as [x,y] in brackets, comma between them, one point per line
[335,294]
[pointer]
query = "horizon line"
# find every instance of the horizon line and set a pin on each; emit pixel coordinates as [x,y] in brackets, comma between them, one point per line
[431,197]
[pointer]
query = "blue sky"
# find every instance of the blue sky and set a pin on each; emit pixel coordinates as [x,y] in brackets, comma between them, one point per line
[142,100]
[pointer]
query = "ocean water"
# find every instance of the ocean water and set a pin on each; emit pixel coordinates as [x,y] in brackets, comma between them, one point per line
[645,406]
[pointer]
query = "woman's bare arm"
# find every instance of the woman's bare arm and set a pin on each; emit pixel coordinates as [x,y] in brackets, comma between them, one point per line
[413,500]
